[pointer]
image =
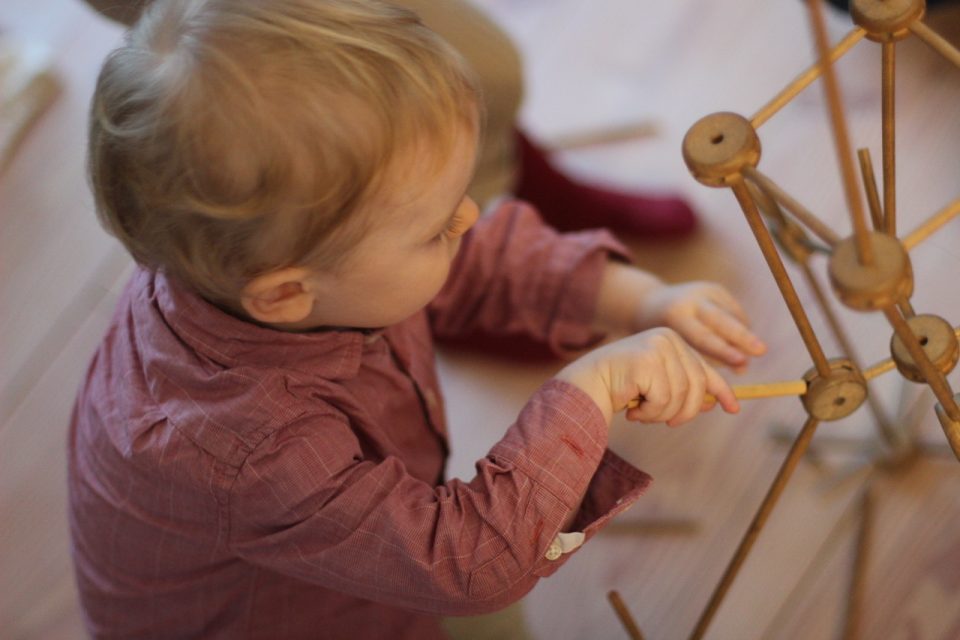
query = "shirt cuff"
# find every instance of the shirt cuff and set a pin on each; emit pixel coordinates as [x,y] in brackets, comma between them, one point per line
[614,488]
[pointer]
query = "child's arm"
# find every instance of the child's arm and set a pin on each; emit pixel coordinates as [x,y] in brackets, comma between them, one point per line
[515,276]
[703,313]
[312,503]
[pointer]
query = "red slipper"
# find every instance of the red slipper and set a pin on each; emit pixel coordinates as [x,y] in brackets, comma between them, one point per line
[569,205]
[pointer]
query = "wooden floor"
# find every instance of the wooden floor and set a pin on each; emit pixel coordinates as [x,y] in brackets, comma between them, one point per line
[669,63]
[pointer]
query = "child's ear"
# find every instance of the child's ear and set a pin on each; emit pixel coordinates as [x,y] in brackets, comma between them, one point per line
[279,297]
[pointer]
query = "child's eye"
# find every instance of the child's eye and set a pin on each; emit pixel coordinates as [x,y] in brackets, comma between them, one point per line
[454,228]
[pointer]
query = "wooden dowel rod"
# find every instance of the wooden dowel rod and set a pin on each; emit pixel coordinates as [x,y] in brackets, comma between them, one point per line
[937,42]
[767,204]
[840,137]
[801,213]
[755,391]
[930,227]
[609,135]
[951,429]
[794,241]
[851,628]
[933,376]
[624,614]
[879,369]
[770,390]
[804,80]
[888,99]
[906,308]
[870,186]
[779,272]
[756,525]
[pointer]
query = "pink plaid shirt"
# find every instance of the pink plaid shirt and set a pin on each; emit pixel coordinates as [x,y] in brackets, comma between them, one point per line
[232,481]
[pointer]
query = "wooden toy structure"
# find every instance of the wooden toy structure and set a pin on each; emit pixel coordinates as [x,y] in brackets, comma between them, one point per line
[869,271]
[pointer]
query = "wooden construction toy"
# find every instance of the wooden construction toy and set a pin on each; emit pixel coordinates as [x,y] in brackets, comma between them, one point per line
[869,271]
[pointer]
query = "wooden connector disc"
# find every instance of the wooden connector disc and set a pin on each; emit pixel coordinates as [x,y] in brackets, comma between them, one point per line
[866,288]
[938,340]
[836,395]
[718,146]
[886,20]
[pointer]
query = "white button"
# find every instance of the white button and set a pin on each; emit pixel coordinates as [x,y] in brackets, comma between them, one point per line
[569,541]
[431,398]
[553,551]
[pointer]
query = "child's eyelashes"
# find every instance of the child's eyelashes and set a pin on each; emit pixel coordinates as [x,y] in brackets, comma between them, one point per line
[455,227]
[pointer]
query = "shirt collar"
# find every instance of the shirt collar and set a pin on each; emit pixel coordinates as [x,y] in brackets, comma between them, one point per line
[333,354]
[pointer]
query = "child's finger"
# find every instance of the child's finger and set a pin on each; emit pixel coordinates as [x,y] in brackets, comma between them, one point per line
[708,342]
[652,402]
[720,389]
[666,381]
[726,300]
[675,376]
[693,400]
[731,329]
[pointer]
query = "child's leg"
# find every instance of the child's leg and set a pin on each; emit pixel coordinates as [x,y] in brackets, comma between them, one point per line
[506,624]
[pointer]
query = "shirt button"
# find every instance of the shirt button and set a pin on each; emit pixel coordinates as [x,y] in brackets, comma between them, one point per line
[431,398]
[553,551]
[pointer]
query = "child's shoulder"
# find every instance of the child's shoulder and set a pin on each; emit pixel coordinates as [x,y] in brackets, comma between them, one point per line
[225,383]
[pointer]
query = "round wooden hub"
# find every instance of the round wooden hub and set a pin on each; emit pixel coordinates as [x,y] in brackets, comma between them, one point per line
[938,340]
[718,146]
[837,395]
[865,288]
[886,20]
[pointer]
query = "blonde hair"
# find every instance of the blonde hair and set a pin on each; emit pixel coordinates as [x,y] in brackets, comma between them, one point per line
[232,137]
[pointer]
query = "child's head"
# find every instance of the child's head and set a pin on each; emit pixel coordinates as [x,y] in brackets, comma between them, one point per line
[233,140]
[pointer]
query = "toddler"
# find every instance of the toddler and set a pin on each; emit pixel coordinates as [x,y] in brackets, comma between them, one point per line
[258,447]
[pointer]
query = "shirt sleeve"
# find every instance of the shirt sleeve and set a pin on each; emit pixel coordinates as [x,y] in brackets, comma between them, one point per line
[307,504]
[514,275]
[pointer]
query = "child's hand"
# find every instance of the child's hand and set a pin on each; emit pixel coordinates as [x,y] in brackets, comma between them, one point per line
[658,367]
[706,316]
